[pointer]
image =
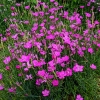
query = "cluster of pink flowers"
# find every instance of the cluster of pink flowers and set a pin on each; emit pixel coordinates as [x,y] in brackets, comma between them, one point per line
[49,46]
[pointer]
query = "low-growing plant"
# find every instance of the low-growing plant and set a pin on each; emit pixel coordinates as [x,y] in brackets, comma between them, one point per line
[48,53]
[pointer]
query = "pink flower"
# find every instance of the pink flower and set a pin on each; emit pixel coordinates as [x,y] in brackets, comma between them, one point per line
[18,66]
[35,14]
[56,53]
[80,52]
[52,0]
[59,60]
[15,36]
[0,35]
[38,63]
[34,28]
[81,7]
[55,82]
[78,68]
[61,74]
[51,68]
[96,22]
[35,63]
[79,97]
[65,58]
[4,39]
[90,50]
[50,37]
[12,8]
[62,64]
[26,22]
[28,77]
[42,24]
[28,45]
[12,89]
[20,74]
[85,32]
[41,73]
[18,83]
[45,92]
[1,87]
[38,44]
[56,3]
[41,13]
[0,76]
[50,77]
[51,63]
[26,69]
[83,48]
[93,0]
[68,72]
[38,81]
[42,62]
[98,31]
[88,14]
[52,27]
[14,14]
[27,7]
[93,66]
[29,65]
[7,60]
[7,68]
[67,40]
[18,4]
[98,45]
[24,58]
[55,46]
[65,14]
[51,17]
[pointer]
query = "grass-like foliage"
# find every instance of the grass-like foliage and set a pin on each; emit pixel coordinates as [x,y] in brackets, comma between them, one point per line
[48,53]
